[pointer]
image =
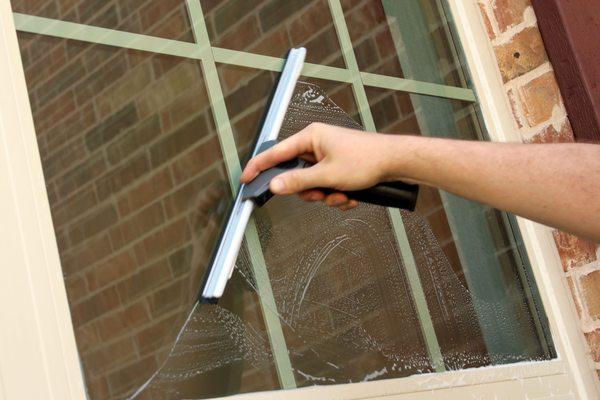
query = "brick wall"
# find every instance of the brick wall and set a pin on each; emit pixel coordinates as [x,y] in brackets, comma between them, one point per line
[540,117]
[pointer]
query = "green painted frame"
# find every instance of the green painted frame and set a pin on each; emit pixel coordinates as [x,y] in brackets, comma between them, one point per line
[209,56]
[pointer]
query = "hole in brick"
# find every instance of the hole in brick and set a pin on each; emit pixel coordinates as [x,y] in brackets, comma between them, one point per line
[517,54]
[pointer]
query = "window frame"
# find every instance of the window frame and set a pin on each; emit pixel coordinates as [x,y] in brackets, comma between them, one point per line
[38,358]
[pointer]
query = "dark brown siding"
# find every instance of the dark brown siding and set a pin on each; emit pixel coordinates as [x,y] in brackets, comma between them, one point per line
[571,30]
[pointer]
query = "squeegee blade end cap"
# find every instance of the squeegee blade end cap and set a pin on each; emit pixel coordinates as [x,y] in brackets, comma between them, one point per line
[208,300]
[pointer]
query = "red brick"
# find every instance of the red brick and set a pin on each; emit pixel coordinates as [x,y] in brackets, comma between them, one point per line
[55,111]
[137,226]
[109,356]
[94,250]
[539,98]
[45,65]
[97,388]
[57,84]
[101,78]
[169,298]
[86,337]
[176,26]
[574,251]
[323,48]
[71,127]
[159,243]
[314,18]
[92,224]
[179,141]
[73,207]
[80,176]
[131,376]
[155,12]
[183,200]
[276,43]
[95,306]
[522,54]
[115,324]
[64,159]
[385,44]
[145,192]
[188,103]
[181,261]
[593,339]
[366,18]
[509,12]
[139,136]
[76,288]
[550,135]
[241,35]
[156,335]
[198,160]
[590,290]
[110,270]
[252,93]
[144,281]
[122,176]
[277,12]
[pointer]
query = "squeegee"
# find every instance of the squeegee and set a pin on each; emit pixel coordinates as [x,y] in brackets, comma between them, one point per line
[256,193]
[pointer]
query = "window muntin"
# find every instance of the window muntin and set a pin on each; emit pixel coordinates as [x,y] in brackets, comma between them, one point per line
[278,368]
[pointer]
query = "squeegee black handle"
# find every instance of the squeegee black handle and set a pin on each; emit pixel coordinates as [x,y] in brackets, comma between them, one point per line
[391,194]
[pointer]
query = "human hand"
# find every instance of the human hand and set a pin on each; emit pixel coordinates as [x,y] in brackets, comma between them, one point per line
[344,159]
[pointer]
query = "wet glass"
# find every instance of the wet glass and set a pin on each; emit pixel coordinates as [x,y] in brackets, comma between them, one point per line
[165,18]
[272,27]
[404,39]
[138,194]
[470,254]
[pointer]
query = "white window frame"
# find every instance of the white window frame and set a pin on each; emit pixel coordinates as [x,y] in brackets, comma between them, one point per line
[38,354]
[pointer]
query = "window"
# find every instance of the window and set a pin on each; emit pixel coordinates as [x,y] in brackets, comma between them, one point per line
[141,130]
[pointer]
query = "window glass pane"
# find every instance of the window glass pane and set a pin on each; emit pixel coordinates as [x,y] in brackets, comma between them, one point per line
[480,262]
[404,39]
[138,193]
[165,18]
[272,27]
[247,92]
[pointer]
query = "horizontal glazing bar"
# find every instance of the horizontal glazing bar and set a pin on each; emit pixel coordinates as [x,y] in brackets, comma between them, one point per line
[269,63]
[417,87]
[111,37]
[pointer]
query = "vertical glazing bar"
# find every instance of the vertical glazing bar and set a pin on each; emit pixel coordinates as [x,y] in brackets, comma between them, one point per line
[418,294]
[232,162]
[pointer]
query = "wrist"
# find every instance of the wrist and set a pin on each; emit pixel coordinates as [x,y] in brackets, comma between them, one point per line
[400,155]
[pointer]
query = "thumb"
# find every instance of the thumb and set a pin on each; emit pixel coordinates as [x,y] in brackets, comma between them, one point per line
[299,179]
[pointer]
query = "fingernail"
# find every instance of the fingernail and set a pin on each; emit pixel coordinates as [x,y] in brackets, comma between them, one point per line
[277,185]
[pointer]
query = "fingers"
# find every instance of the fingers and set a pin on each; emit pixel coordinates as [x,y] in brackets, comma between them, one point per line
[294,146]
[312,195]
[349,205]
[337,199]
[299,180]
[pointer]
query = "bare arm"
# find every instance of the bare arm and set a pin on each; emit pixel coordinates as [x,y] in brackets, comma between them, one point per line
[555,184]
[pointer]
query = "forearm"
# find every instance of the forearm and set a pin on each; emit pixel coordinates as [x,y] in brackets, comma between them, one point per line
[555,184]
